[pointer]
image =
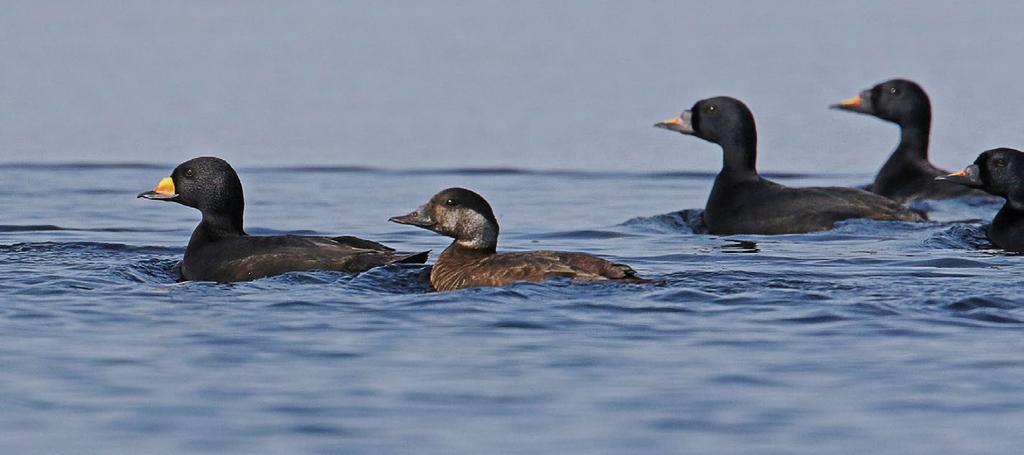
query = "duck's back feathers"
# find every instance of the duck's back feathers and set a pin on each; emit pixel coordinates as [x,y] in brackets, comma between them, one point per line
[250,257]
[904,180]
[356,242]
[458,270]
[764,207]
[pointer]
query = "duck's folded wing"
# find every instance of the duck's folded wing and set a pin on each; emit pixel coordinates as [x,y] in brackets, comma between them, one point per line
[357,242]
[542,265]
[255,257]
[843,203]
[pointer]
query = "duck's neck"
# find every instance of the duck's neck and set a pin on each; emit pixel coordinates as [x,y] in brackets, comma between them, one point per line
[480,234]
[219,226]
[739,159]
[460,248]
[914,140]
[1012,214]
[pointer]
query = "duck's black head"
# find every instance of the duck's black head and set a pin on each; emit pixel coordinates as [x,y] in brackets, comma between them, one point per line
[458,213]
[998,171]
[898,100]
[724,121]
[209,184]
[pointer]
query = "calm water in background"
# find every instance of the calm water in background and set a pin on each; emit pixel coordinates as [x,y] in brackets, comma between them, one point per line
[874,337]
[537,84]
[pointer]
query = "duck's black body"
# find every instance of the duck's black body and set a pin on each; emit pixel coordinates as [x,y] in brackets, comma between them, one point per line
[907,175]
[999,172]
[750,204]
[220,250]
[743,202]
[472,260]
[246,257]
[1007,228]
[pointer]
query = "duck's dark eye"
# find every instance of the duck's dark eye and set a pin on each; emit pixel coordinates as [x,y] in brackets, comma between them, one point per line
[894,91]
[712,108]
[451,203]
[189,173]
[999,162]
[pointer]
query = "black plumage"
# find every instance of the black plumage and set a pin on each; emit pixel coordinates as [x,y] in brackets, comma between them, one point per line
[999,172]
[743,202]
[220,249]
[907,175]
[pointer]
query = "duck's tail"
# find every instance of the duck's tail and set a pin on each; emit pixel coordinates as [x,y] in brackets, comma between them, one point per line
[628,275]
[418,258]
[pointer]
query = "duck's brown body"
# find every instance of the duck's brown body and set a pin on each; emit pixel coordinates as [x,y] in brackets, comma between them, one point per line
[472,260]
[460,268]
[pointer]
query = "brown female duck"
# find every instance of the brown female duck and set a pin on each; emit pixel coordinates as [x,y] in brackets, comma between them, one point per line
[472,259]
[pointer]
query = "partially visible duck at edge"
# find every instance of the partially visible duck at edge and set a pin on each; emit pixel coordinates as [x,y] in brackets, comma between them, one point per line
[907,175]
[220,250]
[472,260]
[999,172]
[743,202]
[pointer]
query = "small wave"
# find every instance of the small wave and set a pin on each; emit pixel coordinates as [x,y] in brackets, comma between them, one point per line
[816,318]
[52,227]
[960,237]
[689,221]
[987,309]
[394,279]
[620,308]
[965,209]
[582,234]
[944,263]
[80,166]
[150,270]
[466,171]
[973,303]
[56,247]
[869,228]
[518,324]
[30,228]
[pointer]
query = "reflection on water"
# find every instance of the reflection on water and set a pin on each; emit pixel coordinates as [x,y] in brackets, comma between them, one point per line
[739,246]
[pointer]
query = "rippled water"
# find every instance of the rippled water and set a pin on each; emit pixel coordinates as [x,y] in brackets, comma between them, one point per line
[873,337]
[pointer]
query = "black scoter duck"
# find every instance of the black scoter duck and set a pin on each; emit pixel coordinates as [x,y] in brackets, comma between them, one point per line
[743,202]
[220,250]
[999,172]
[472,260]
[907,175]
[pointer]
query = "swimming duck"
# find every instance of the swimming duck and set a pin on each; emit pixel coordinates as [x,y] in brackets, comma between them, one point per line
[743,202]
[907,175]
[220,250]
[999,172]
[472,259]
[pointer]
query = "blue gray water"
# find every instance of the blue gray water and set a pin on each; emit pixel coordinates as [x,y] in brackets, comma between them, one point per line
[874,337]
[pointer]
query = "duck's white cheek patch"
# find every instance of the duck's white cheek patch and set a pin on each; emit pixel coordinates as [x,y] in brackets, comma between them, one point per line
[475,231]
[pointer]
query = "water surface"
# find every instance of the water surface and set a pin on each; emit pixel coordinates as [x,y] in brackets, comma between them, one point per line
[874,337]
